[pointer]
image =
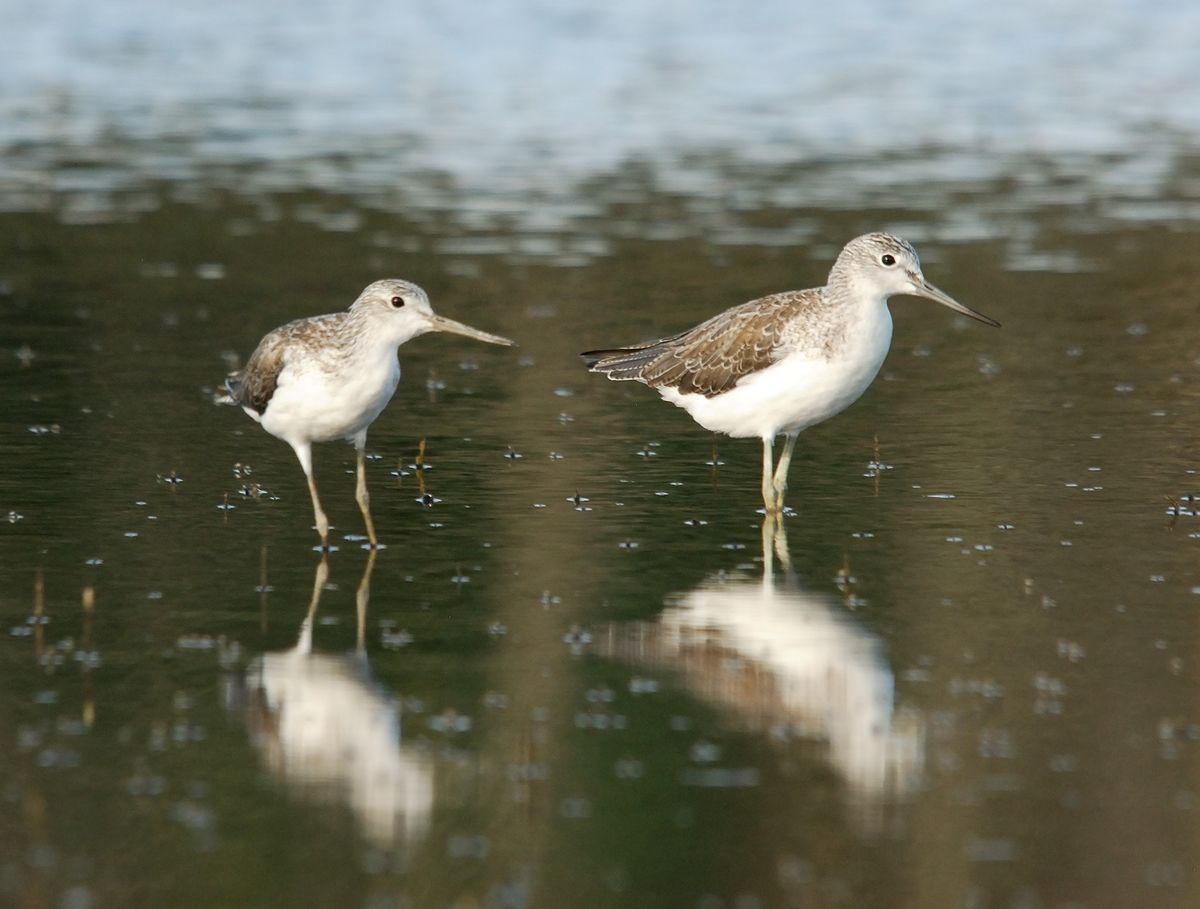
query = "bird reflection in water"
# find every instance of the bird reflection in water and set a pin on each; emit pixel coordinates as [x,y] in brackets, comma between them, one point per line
[793,664]
[332,734]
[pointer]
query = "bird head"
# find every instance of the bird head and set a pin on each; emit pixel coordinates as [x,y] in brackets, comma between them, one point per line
[883,265]
[400,310]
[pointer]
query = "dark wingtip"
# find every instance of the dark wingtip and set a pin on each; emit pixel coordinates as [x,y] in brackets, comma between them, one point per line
[591,358]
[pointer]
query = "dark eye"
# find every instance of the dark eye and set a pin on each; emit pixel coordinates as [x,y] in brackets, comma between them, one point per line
[397,302]
[886,259]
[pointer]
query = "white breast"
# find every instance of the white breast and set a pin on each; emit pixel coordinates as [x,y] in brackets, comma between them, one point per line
[315,405]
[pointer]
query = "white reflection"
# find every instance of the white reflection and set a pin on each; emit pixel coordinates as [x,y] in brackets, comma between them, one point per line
[791,663]
[331,733]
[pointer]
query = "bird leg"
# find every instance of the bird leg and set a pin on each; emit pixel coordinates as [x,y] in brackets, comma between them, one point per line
[304,453]
[319,513]
[781,471]
[361,599]
[768,490]
[304,645]
[769,526]
[360,491]
[781,543]
[774,546]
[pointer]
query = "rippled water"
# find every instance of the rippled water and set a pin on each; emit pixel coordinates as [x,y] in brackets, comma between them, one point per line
[963,675]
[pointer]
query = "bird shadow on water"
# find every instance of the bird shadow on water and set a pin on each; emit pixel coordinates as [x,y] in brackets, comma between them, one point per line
[779,660]
[330,733]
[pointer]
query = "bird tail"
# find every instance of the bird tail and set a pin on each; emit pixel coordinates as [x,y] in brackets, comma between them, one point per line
[233,389]
[622,363]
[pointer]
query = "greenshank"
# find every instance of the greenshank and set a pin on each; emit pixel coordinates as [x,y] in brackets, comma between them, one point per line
[328,377]
[784,362]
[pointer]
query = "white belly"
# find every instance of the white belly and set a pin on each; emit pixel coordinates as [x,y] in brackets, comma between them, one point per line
[798,391]
[314,406]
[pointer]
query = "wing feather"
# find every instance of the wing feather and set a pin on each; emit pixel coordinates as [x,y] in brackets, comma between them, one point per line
[715,355]
[254,384]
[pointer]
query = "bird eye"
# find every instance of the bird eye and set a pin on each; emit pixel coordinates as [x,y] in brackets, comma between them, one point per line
[886,259]
[397,302]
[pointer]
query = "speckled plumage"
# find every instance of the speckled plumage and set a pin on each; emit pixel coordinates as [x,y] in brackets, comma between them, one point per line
[784,362]
[713,357]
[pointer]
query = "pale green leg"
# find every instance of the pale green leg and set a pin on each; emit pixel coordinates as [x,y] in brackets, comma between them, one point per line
[768,489]
[781,471]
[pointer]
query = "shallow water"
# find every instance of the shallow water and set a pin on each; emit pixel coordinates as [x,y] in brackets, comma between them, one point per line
[582,672]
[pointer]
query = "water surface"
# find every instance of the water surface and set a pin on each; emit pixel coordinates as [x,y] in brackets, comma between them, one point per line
[582,672]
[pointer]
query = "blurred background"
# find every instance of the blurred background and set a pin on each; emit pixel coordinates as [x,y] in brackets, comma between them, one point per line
[965,673]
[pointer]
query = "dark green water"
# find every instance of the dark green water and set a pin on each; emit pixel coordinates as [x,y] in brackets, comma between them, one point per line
[975,686]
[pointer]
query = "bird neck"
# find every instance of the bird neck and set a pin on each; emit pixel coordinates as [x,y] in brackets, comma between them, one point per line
[371,336]
[845,290]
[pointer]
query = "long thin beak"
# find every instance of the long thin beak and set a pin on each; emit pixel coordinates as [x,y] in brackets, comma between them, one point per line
[923,288]
[441,323]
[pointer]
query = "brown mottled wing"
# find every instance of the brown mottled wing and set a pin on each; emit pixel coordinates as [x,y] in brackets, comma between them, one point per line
[715,355]
[254,385]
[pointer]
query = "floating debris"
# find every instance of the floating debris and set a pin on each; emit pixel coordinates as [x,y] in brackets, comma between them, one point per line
[577,639]
[874,468]
[639,685]
[449,721]
[394,640]
[1184,506]
[721,777]
[195,642]
[495,700]
[575,808]
[987,366]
